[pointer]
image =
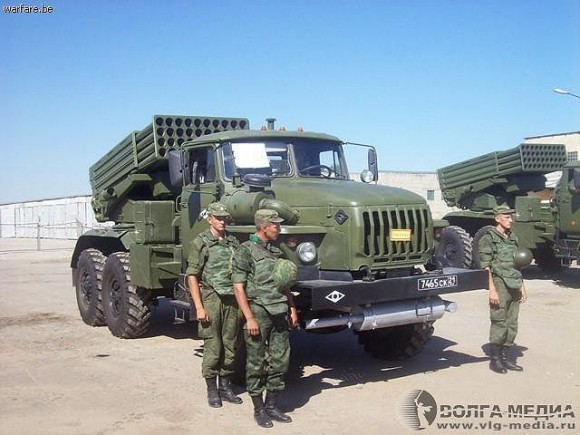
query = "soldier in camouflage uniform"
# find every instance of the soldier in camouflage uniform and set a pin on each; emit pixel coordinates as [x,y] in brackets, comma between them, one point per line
[506,287]
[209,280]
[268,310]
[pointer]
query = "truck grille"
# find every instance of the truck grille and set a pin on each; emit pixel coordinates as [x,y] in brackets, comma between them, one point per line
[377,226]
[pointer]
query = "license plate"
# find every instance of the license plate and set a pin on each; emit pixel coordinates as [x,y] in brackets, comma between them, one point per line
[400,235]
[437,283]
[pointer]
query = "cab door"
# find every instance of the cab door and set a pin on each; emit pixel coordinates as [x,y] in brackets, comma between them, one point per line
[198,194]
[569,201]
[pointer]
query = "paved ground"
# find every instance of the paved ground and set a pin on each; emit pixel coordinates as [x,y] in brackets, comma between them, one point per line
[59,376]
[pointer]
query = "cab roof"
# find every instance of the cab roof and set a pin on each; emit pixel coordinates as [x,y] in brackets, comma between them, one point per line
[226,136]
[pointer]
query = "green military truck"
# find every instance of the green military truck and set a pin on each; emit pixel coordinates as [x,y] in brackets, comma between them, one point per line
[550,228]
[361,249]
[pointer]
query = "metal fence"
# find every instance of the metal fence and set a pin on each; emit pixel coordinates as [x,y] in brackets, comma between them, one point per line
[38,231]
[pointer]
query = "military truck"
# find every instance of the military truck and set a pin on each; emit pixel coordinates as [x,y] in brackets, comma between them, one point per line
[550,228]
[361,249]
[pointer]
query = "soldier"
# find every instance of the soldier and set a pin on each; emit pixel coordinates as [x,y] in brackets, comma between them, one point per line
[506,287]
[209,280]
[265,306]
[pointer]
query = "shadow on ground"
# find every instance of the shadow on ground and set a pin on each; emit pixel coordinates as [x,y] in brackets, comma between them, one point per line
[569,278]
[326,361]
[163,323]
[336,361]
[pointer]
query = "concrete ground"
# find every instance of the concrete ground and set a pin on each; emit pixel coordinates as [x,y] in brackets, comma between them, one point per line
[60,376]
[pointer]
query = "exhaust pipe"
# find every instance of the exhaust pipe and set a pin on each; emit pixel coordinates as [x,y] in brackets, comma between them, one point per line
[388,314]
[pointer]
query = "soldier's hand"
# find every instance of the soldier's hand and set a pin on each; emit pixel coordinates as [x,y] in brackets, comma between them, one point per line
[524,296]
[253,327]
[293,318]
[493,297]
[202,315]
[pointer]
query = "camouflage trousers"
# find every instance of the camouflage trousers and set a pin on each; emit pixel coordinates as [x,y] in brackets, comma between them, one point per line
[504,318]
[219,334]
[268,354]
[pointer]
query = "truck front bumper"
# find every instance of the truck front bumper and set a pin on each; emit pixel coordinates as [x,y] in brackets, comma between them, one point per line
[346,295]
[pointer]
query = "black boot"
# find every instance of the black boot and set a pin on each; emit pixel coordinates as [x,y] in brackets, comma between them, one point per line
[509,364]
[495,363]
[260,413]
[213,396]
[272,410]
[226,393]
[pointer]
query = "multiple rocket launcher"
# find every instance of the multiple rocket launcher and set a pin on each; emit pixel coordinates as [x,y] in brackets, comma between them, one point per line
[133,159]
[515,171]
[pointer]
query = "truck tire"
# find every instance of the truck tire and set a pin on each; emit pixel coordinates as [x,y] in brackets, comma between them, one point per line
[397,342]
[88,287]
[127,308]
[454,248]
[475,264]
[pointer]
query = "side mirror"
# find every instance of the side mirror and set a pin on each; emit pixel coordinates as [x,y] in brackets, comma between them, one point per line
[372,163]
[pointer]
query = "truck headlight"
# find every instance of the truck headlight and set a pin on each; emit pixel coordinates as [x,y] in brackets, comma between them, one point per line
[306,252]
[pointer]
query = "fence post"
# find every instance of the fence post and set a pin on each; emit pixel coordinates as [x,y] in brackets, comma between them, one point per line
[38,234]
[80,227]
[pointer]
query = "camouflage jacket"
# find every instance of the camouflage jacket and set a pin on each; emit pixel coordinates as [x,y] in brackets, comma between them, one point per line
[497,253]
[212,259]
[253,265]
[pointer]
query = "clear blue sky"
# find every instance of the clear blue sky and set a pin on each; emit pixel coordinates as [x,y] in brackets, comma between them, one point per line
[428,83]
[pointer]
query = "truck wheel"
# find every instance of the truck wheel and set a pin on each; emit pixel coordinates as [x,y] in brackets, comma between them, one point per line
[476,264]
[397,342]
[454,248]
[127,308]
[88,287]
[547,261]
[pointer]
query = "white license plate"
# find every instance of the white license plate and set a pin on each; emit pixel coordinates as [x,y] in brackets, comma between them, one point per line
[436,283]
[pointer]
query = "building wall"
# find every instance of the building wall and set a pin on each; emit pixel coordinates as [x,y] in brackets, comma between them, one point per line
[62,218]
[570,140]
[421,183]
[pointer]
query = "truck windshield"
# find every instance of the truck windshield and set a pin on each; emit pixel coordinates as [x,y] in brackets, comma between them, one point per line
[306,158]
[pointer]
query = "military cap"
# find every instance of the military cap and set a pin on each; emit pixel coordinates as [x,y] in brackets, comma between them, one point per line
[502,209]
[267,216]
[217,209]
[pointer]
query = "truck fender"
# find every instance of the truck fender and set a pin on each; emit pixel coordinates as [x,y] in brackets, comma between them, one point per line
[106,241]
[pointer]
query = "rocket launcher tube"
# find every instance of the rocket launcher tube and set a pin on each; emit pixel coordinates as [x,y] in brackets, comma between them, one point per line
[479,175]
[146,151]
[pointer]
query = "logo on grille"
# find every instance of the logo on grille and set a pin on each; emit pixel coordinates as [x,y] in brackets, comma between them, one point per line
[334,297]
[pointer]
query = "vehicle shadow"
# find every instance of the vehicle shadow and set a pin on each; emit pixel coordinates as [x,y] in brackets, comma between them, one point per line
[317,366]
[163,323]
[569,278]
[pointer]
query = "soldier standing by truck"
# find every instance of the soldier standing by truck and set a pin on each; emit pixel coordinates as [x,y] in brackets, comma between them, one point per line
[265,308]
[497,250]
[209,280]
